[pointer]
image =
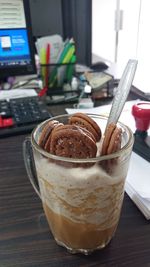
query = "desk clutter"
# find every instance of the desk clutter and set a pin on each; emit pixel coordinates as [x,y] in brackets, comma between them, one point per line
[57,60]
[59,72]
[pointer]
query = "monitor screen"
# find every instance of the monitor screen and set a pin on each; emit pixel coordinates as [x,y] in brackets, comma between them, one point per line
[16,44]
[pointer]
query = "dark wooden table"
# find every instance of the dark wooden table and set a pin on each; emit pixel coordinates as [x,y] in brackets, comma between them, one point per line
[25,238]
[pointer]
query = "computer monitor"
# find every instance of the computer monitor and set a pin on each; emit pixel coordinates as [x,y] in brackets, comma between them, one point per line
[16,43]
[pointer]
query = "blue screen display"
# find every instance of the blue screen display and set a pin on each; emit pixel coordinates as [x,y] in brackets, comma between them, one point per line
[14,48]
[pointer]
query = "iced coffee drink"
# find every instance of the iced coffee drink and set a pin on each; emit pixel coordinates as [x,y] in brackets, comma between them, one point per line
[81,171]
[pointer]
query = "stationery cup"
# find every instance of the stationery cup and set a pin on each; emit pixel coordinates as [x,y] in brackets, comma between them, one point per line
[55,75]
[82,204]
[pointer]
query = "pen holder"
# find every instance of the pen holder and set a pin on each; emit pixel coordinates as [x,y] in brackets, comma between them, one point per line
[55,75]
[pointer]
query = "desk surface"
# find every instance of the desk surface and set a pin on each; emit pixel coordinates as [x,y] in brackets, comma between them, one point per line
[25,238]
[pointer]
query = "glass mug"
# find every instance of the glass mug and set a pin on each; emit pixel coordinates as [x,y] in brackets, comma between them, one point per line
[82,198]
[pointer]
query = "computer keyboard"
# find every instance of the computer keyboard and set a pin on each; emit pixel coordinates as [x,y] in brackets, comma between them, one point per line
[21,115]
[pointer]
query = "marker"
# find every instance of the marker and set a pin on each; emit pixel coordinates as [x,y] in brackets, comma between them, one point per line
[64,58]
[46,71]
[47,65]
[42,62]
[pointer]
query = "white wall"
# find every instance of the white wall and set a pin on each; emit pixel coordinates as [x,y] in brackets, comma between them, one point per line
[103,34]
[134,38]
[142,78]
[128,36]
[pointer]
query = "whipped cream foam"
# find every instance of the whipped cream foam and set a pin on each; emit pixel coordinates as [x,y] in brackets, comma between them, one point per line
[84,195]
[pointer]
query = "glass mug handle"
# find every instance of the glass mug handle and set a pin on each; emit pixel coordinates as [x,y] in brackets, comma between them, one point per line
[30,165]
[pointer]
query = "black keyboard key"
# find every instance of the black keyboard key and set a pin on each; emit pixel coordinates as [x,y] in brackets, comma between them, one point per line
[5,109]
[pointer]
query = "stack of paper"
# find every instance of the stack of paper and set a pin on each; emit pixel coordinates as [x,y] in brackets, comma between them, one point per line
[56,47]
[138,183]
[17,93]
[97,79]
[138,179]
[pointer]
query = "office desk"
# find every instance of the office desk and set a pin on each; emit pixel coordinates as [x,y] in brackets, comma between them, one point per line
[25,238]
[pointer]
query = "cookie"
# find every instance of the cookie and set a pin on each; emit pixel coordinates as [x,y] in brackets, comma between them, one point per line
[108,133]
[112,140]
[86,122]
[115,141]
[44,138]
[72,141]
[111,144]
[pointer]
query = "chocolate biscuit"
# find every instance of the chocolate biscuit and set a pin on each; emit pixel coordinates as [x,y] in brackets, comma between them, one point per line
[112,140]
[46,133]
[115,141]
[72,141]
[86,122]
[111,144]
[108,133]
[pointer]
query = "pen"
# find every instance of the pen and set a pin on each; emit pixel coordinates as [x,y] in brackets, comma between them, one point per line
[64,52]
[70,68]
[69,54]
[64,58]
